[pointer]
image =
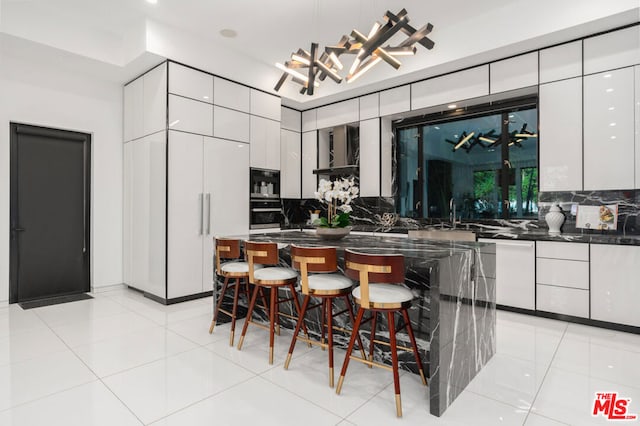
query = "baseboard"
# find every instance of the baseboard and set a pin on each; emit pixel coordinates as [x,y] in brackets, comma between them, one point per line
[110,287]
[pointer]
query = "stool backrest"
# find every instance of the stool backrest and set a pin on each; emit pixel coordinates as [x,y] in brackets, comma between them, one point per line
[376,268]
[260,253]
[226,248]
[313,259]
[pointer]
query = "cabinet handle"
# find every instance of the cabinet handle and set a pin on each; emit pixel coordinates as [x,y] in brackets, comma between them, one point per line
[201,213]
[208,213]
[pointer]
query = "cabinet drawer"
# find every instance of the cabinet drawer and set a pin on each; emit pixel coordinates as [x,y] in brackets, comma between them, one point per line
[561,300]
[565,273]
[569,251]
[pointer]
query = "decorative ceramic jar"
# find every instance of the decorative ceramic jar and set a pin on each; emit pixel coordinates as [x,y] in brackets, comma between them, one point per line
[555,219]
[333,233]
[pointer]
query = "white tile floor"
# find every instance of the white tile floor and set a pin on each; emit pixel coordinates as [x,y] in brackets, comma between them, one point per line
[120,359]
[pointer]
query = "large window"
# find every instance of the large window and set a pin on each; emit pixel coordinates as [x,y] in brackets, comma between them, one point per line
[486,163]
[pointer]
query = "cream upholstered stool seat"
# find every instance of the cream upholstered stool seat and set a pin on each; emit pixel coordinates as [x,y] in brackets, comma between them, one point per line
[319,279]
[234,269]
[381,291]
[259,256]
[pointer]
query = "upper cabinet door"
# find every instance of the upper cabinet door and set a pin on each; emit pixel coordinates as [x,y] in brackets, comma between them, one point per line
[309,163]
[449,88]
[291,119]
[185,81]
[344,112]
[612,50]
[370,106]
[265,143]
[309,120]
[560,62]
[609,130]
[190,115]
[637,123]
[514,73]
[396,100]
[231,95]
[133,110]
[370,158]
[290,165]
[265,105]
[561,137]
[155,99]
[230,124]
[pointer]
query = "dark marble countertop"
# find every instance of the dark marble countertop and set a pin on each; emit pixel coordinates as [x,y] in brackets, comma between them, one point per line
[508,231]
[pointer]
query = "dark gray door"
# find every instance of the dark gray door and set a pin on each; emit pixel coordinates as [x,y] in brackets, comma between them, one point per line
[49,212]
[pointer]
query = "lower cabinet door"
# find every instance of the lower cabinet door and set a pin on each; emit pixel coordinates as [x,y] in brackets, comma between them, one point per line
[515,273]
[563,300]
[615,286]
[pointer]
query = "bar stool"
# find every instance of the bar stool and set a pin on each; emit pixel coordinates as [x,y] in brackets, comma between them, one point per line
[237,269]
[272,277]
[326,284]
[381,290]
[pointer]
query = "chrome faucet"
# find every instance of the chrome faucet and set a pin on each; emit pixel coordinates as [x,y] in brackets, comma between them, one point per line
[452,213]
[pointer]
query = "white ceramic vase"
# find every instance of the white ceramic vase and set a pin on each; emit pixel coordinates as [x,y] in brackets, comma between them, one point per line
[555,219]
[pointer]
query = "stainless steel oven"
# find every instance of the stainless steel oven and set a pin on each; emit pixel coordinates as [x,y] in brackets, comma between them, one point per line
[266,208]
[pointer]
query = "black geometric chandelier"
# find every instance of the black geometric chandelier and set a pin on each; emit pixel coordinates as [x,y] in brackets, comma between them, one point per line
[309,68]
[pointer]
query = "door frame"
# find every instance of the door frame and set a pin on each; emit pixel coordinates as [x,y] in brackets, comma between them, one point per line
[15,129]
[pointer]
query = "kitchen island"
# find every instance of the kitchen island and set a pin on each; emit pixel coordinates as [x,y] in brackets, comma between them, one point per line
[453,313]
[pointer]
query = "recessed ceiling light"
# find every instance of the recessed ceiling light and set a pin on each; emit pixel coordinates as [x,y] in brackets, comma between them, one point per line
[152,1]
[228,33]
[612,108]
[609,90]
[612,124]
[437,128]
[452,106]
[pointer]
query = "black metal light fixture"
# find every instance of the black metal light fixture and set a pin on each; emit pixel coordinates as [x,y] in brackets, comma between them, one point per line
[368,51]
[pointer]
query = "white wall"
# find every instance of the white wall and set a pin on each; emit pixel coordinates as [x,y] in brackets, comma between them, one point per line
[51,95]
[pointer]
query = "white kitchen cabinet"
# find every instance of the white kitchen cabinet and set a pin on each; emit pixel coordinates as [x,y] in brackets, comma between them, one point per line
[207,196]
[450,88]
[190,83]
[394,101]
[133,110]
[560,62]
[309,163]
[612,50]
[290,164]
[370,158]
[291,119]
[309,120]
[561,135]
[515,273]
[231,95]
[637,123]
[369,106]
[609,130]
[514,73]
[155,100]
[265,143]
[144,213]
[387,157]
[562,300]
[231,124]
[191,116]
[562,250]
[265,105]
[563,273]
[615,293]
[344,112]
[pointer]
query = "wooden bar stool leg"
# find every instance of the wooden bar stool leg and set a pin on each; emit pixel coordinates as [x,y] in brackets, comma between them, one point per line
[330,338]
[353,321]
[265,302]
[345,364]
[272,321]
[234,311]
[218,305]
[414,345]
[394,362]
[277,308]
[249,313]
[296,304]
[323,321]
[372,335]
[305,304]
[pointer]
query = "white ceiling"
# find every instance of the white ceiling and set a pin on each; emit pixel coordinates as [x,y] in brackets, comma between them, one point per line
[118,33]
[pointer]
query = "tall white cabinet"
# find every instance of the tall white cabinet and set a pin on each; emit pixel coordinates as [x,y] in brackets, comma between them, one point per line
[186,175]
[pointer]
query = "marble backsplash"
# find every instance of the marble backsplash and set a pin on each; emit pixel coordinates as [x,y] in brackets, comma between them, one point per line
[379,213]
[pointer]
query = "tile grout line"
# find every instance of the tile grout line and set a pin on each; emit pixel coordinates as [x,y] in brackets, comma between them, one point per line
[533,401]
[93,372]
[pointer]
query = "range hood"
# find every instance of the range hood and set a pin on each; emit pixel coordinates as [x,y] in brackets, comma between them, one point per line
[343,150]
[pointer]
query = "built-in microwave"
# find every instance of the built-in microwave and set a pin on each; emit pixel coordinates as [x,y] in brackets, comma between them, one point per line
[265,205]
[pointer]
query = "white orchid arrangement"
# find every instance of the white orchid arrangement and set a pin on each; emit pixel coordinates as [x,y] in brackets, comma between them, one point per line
[337,195]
